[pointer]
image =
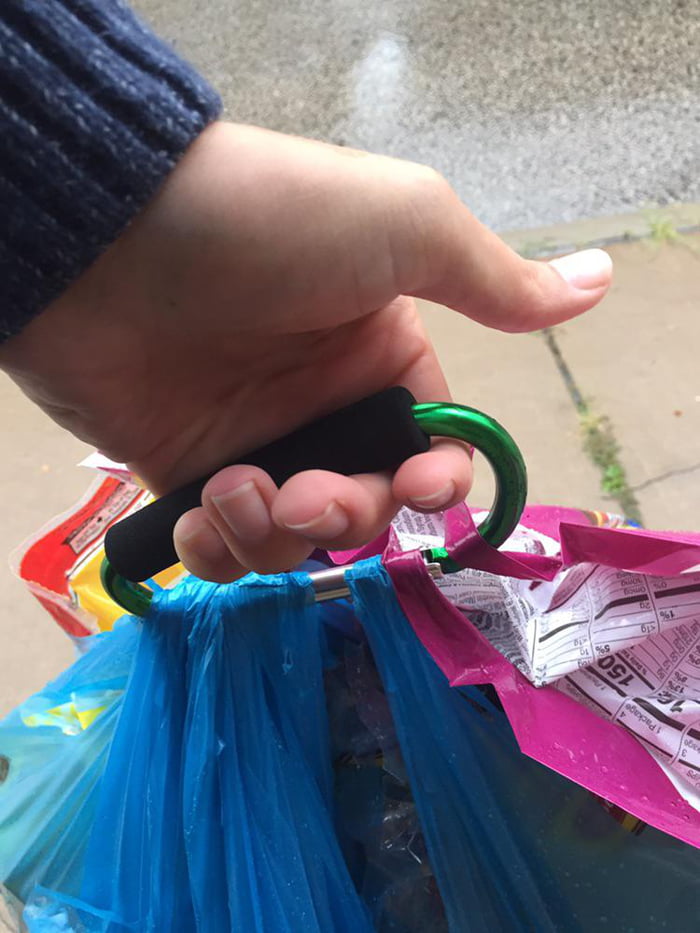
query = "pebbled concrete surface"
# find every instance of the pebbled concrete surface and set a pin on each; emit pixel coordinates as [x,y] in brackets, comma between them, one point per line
[538,112]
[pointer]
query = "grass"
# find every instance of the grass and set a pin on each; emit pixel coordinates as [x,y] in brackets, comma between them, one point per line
[600,444]
[662,230]
[599,441]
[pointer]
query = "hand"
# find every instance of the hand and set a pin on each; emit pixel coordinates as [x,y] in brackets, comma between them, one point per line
[263,286]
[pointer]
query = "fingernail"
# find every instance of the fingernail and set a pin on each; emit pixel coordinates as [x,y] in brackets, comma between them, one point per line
[245,512]
[208,544]
[436,499]
[587,269]
[331,523]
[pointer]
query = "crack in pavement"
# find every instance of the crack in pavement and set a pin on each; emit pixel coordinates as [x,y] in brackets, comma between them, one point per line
[598,438]
[564,370]
[669,474]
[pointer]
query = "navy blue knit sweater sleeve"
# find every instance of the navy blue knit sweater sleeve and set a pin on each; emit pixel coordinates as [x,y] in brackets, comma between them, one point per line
[95,111]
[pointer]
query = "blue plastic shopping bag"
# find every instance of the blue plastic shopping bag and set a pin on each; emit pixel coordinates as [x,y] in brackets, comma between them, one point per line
[513,845]
[280,766]
[216,805]
[53,751]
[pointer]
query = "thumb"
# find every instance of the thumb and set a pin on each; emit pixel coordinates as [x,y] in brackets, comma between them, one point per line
[467,267]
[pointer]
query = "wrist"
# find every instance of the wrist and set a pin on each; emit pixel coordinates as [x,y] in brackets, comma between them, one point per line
[140,108]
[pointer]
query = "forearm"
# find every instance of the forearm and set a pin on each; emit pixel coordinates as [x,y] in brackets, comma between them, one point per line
[94,113]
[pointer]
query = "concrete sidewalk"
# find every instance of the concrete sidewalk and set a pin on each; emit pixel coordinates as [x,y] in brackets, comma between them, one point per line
[624,378]
[606,408]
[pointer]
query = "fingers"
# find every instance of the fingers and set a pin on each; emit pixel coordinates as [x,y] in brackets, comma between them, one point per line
[435,480]
[335,511]
[202,549]
[445,254]
[246,523]
[238,502]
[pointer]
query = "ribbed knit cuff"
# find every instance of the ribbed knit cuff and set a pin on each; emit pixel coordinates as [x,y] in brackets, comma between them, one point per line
[95,111]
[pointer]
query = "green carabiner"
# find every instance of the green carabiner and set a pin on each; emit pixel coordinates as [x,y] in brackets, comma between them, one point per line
[442,419]
[436,419]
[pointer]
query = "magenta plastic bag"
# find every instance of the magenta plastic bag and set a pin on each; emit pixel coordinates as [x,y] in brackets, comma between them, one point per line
[603,619]
[621,715]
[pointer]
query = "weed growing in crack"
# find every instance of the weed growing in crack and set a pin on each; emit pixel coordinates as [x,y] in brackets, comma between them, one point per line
[600,444]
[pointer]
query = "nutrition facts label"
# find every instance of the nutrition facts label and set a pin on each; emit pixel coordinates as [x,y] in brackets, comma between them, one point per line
[595,612]
[653,687]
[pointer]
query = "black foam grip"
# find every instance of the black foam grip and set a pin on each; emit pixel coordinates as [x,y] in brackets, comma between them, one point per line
[377,433]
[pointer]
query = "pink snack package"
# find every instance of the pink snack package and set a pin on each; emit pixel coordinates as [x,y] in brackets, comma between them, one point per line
[590,632]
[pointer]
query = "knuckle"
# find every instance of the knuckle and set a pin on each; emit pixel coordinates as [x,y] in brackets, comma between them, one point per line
[429,188]
[423,205]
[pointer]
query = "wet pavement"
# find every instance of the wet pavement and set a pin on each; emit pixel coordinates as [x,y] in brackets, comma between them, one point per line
[538,112]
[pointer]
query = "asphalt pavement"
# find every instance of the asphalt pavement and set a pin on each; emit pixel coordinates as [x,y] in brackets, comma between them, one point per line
[538,111]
